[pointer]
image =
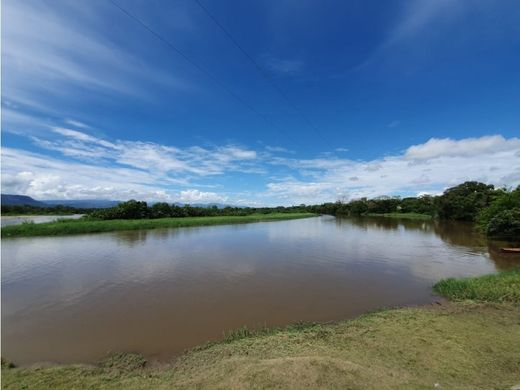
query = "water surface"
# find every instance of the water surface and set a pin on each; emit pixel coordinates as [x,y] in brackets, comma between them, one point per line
[19,219]
[158,292]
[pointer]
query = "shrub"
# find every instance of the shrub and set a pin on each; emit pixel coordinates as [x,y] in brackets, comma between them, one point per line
[505,224]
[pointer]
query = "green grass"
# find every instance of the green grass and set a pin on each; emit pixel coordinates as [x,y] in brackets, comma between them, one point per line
[501,287]
[463,345]
[401,215]
[80,226]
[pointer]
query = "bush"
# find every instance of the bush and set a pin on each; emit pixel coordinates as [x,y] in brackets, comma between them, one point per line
[505,224]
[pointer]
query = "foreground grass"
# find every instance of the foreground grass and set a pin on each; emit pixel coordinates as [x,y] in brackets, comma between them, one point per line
[79,226]
[463,345]
[401,215]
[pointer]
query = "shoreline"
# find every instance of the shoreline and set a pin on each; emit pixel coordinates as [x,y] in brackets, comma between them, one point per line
[459,342]
[86,226]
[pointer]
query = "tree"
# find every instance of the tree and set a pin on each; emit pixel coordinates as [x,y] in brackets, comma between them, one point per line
[504,200]
[465,201]
[161,210]
[505,224]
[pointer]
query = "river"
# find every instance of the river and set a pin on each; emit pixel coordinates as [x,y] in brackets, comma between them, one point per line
[19,219]
[158,292]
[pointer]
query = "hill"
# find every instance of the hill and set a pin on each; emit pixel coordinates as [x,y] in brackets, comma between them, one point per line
[18,200]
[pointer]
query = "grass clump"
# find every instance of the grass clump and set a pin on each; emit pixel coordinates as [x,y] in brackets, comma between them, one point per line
[81,226]
[125,362]
[501,287]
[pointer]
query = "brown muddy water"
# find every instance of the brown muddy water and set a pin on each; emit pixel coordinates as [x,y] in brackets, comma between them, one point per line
[159,292]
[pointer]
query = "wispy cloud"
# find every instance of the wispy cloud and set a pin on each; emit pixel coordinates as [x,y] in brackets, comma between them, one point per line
[149,156]
[49,47]
[416,18]
[45,177]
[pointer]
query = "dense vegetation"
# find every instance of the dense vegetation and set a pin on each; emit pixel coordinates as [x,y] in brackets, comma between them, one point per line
[496,211]
[37,210]
[133,209]
[470,345]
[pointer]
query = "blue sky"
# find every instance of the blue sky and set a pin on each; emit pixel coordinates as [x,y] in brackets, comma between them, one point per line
[344,99]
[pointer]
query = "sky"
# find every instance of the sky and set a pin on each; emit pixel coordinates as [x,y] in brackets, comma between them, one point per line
[272,102]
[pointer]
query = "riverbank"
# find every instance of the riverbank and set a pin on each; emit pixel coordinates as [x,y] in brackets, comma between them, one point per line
[81,226]
[402,215]
[462,344]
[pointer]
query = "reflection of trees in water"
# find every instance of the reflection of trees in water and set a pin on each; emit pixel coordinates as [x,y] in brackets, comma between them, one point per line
[465,234]
[503,260]
[459,233]
[138,237]
[383,223]
[453,233]
[131,237]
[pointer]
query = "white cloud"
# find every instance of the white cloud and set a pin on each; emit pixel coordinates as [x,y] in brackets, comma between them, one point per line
[46,178]
[428,168]
[151,156]
[194,196]
[91,167]
[467,147]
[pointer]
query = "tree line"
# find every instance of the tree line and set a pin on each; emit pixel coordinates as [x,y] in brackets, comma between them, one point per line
[134,209]
[496,211]
[23,209]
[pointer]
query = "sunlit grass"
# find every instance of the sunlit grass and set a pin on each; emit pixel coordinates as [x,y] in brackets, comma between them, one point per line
[80,226]
[501,287]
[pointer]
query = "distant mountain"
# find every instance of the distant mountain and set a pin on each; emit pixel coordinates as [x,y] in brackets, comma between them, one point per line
[13,200]
[18,200]
[84,203]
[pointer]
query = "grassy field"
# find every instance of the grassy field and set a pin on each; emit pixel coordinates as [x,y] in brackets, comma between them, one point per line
[401,215]
[464,345]
[79,226]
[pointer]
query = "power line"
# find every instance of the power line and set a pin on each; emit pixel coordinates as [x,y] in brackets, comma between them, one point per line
[262,71]
[199,67]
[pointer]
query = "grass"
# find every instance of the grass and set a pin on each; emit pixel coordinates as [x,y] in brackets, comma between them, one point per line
[463,345]
[501,287]
[80,226]
[401,215]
